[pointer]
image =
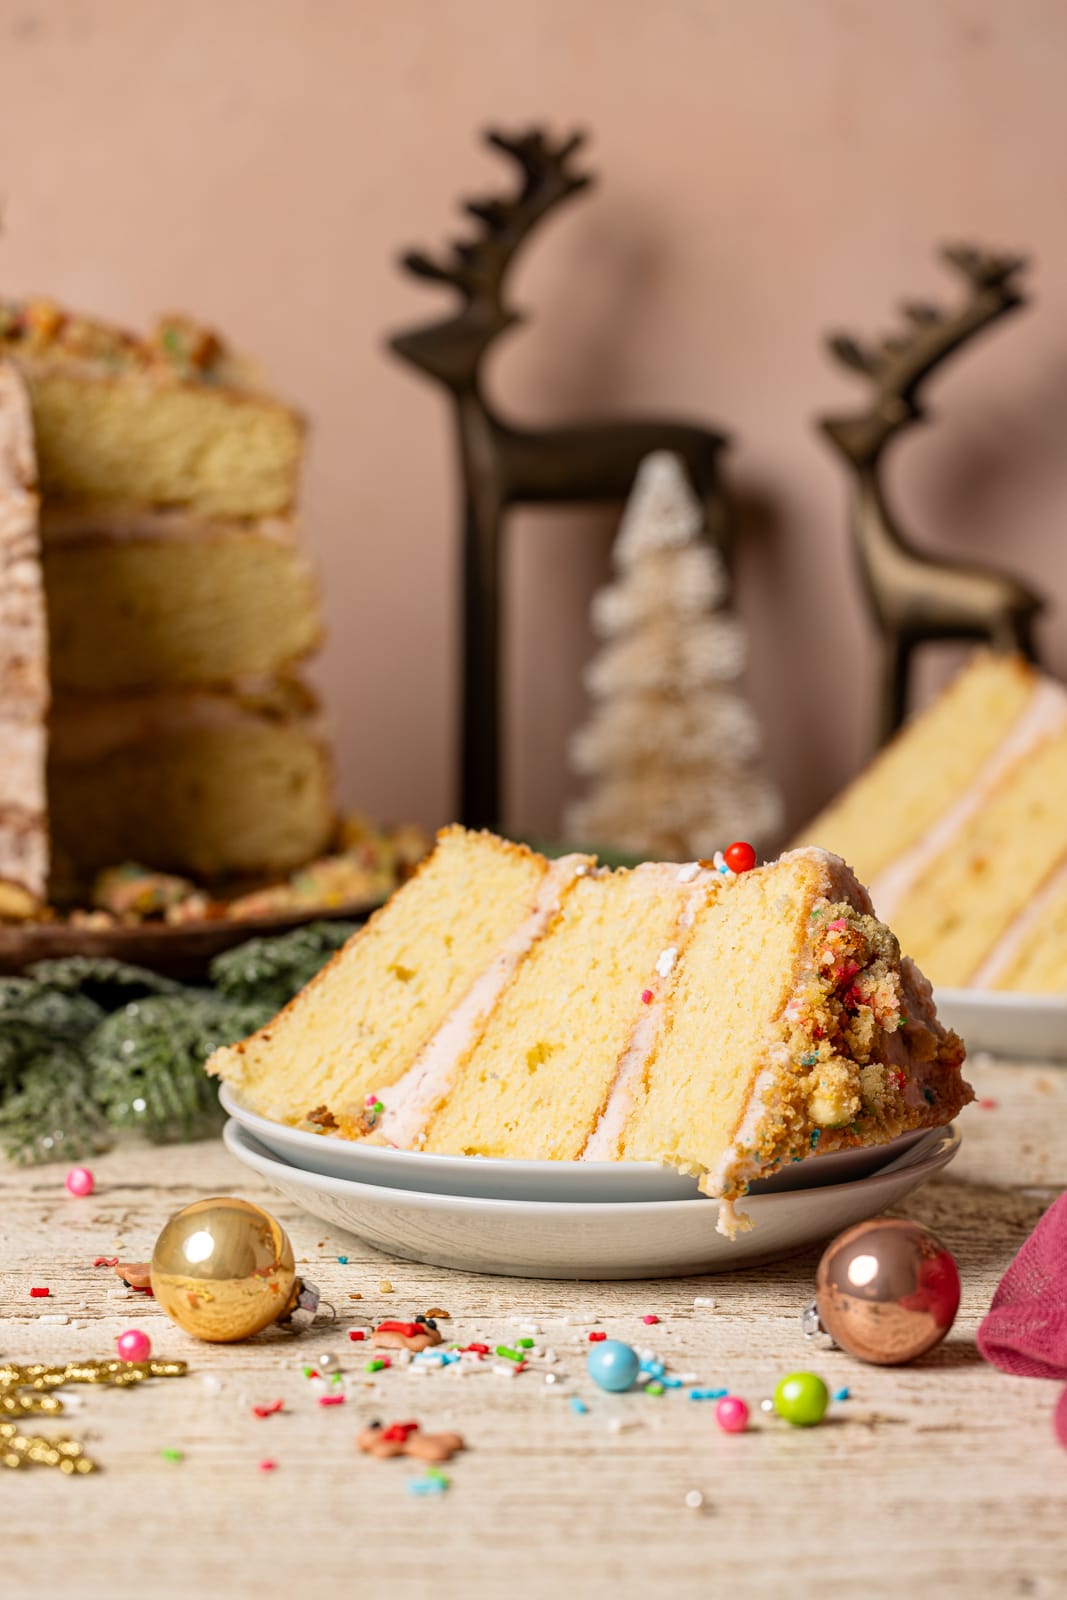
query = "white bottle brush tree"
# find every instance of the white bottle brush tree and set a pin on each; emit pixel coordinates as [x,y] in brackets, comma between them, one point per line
[670,748]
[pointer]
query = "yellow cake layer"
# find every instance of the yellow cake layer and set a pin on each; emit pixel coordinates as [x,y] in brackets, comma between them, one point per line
[1039,962]
[968,897]
[137,440]
[361,1022]
[535,1081]
[140,613]
[926,768]
[738,970]
[243,794]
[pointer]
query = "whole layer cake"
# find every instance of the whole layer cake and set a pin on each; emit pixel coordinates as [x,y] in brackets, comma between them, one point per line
[504,1005]
[960,828]
[148,656]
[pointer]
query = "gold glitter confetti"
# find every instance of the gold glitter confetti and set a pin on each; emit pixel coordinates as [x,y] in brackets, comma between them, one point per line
[26,1390]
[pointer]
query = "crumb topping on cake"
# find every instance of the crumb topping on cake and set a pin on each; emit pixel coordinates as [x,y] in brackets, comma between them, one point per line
[177,348]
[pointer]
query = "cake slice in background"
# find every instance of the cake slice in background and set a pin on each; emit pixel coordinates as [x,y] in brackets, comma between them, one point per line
[179,608]
[720,1023]
[960,828]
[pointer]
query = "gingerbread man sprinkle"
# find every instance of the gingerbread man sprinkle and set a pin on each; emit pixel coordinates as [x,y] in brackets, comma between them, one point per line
[407,1439]
[418,1335]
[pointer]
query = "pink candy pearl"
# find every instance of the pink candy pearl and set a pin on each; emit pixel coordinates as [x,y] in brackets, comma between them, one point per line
[80,1181]
[133,1345]
[731,1414]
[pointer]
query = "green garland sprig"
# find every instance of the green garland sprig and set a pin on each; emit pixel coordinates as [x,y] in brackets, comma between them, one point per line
[89,1047]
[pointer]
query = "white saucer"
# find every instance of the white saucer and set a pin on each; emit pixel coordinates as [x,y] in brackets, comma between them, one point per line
[538,1239]
[560,1181]
[1007,1024]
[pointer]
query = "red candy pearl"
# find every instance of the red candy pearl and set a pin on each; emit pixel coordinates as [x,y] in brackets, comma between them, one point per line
[731,1414]
[739,856]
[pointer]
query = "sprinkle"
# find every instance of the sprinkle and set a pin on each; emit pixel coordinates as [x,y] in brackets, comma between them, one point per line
[766,1405]
[210,1384]
[815,1137]
[356,1334]
[704,1300]
[331,1399]
[267,1466]
[653,1368]
[270,1409]
[810,1059]
[477,1349]
[687,873]
[578,1406]
[170,1454]
[694,1500]
[595,1338]
[650,1318]
[623,1424]
[385,1287]
[40,1294]
[842,1394]
[53,1316]
[647,996]
[988,1104]
[343,1260]
[929,1096]
[106,1261]
[507,1353]
[377,1364]
[654,1388]
[708,1394]
[80,1182]
[524,1344]
[430,1484]
[665,964]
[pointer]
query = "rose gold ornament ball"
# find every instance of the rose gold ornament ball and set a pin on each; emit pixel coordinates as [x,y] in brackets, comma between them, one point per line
[887,1291]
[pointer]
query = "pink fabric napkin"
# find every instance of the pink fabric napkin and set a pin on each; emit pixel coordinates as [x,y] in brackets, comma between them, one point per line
[1025,1330]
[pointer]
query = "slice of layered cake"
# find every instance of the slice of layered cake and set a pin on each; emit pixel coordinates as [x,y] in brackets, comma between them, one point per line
[960,828]
[722,1023]
[178,607]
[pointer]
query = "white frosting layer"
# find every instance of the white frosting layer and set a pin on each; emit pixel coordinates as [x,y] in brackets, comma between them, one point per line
[410,1101]
[65,524]
[603,1142]
[1044,715]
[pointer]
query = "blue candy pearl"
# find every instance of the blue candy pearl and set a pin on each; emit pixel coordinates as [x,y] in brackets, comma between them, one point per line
[613,1365]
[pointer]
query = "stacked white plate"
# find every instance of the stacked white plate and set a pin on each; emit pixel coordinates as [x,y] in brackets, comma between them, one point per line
[570,1219]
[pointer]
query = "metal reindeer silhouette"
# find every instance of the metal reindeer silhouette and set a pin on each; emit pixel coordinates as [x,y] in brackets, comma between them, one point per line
[503,465]
[916,597]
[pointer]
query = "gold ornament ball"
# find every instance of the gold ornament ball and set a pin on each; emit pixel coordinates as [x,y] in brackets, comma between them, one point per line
[224,1270]
[887,1291]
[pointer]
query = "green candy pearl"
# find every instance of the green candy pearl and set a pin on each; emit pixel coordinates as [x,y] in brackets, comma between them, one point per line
[801,1398]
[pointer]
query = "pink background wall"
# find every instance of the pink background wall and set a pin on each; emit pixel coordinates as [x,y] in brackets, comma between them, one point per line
[769,170]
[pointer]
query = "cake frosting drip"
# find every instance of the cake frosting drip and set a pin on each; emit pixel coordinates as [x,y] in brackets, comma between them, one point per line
[409,1102]
[23,650]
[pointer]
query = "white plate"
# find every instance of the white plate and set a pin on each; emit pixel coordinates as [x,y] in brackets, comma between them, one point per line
[539,1239]
[491,1178]
[1031,1025]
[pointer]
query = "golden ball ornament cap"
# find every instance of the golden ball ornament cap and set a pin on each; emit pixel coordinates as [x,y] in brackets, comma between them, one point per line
[223,1269]
[886,1291]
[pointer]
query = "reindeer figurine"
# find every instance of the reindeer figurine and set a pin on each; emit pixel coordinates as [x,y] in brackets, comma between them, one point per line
[915,597]
[503,465]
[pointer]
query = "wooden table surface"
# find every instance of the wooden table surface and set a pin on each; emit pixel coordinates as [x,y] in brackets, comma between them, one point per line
[938,1479]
